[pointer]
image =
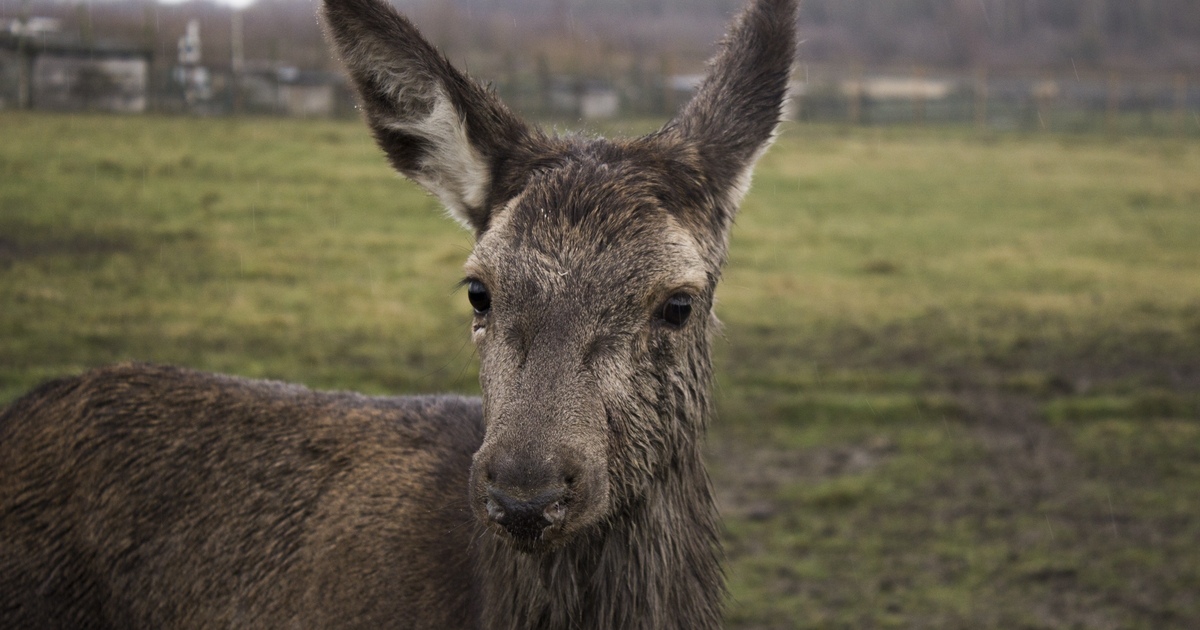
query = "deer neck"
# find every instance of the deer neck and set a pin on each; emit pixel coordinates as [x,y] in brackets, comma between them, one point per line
[657,565]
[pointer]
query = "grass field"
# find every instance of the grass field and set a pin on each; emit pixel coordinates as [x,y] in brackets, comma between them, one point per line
[958,381]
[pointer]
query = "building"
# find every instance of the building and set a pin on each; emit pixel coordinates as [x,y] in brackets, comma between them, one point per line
[310,93]
[585,98]
[41,68]
[290,91]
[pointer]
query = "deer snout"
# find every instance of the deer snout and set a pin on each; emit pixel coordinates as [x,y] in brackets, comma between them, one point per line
[537,500]
[527,519]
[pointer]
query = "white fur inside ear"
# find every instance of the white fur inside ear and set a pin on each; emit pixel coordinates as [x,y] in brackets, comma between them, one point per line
[453,170]
[741,183]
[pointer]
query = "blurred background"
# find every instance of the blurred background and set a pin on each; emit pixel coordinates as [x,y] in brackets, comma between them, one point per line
[1004,64]
[959,373]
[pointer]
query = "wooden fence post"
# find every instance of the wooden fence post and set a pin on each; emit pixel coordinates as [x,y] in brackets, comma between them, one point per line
[856,94]
[1045,92]
[668,69]
[981,98]
[919,95]
[1112,104]
[1181,94]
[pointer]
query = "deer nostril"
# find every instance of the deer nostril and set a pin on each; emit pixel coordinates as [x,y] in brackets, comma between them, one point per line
[494,511]
[556,512]
[526,518]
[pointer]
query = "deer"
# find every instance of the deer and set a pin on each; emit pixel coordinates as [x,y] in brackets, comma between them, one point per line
[572,494]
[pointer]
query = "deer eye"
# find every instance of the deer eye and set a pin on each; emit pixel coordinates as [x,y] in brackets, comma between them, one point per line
[676,309]
[480,299]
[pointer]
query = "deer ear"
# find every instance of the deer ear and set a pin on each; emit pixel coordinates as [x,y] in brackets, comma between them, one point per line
[734,115]
[437,126]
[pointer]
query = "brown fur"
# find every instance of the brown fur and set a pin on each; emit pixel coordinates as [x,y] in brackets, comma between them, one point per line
[572,496]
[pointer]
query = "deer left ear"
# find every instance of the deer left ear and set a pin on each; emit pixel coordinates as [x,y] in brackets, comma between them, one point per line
[734,115]
[437,126]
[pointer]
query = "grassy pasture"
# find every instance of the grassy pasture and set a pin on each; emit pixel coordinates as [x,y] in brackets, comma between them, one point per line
[958,381]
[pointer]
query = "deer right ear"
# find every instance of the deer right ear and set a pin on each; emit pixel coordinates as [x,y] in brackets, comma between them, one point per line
[437,126]
[733,117]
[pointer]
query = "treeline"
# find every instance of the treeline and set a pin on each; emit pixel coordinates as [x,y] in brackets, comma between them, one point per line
[950,34]
[1113,34]
[611,37]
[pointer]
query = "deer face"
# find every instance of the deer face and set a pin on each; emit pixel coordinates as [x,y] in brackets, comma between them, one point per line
[591,300]
[595,263]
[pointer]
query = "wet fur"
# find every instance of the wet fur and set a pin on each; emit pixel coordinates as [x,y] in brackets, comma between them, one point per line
[140,496]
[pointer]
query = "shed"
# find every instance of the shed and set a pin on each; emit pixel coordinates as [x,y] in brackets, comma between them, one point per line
[56,71]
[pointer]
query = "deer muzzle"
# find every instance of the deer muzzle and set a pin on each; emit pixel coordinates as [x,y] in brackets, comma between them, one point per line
[537,499]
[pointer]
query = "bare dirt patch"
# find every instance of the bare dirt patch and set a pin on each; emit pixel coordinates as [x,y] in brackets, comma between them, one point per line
[749,477]
[20,242]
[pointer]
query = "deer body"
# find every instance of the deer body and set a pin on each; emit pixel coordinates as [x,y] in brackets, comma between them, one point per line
[573,495]
[197,500]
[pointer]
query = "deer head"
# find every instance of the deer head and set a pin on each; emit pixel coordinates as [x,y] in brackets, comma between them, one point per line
[594,267]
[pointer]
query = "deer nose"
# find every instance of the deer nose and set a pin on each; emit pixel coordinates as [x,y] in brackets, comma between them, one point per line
[527,518]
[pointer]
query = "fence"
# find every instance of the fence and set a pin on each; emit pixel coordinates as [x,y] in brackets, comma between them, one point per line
[1113,102]
[1116,103]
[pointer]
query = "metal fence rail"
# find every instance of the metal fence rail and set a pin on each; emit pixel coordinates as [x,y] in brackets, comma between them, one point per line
[1030,101]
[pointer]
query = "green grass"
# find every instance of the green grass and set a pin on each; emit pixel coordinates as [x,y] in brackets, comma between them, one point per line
[264,247]
[958,375]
